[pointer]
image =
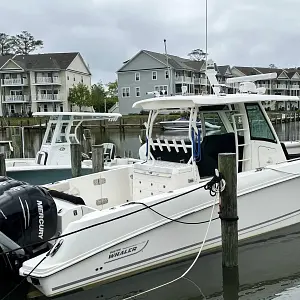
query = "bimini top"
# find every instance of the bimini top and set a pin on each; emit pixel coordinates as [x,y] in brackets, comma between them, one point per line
[181,101]
[79,115]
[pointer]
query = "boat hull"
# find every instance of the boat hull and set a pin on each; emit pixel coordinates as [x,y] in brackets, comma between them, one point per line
[141,244]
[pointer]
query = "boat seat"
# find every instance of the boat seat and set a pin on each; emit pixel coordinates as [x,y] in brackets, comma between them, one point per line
[41,158]
[287,155]
[156,177]
[109,150]
[211,146]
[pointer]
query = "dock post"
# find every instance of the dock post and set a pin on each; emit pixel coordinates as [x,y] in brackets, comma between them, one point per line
[229,225]
[76,159]
[2,165]
[228,210]
[17,143]
[97,158]
[87,141]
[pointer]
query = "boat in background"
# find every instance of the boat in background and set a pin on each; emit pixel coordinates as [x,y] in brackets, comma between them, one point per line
[53,160]
[182,124]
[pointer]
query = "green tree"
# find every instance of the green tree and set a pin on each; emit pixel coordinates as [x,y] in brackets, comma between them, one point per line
[80,95]
[25,43]
[98,97]
[6,45]
[112,94]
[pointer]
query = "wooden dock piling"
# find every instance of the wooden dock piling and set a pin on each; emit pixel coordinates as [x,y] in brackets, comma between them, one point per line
[76,159]
[228,210]
[97,158]
[2,165]
[87,145]
[229,226]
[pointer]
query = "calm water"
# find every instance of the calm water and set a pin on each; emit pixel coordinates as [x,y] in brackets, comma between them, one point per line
[268,268]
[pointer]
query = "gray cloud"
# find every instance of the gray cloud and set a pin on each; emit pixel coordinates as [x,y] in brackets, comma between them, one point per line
[107,32]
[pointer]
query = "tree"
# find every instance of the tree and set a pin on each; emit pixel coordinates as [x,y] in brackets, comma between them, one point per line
[6,46]
[272,66]
[98,97]
[112,89]
[25,43]
[197,54]
[80,95]
[112,94]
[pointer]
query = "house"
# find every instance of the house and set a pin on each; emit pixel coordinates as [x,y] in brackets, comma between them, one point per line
[286,83]
[40,82]
[149,71]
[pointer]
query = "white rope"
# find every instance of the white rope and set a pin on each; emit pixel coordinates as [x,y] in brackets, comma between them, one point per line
[195,260]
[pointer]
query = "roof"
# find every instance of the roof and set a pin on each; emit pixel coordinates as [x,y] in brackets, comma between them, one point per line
[80,115]
[44,61]
[179,102]
[176,62]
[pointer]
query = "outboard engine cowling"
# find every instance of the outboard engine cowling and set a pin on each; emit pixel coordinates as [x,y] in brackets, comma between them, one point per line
[28,215]
[6,183]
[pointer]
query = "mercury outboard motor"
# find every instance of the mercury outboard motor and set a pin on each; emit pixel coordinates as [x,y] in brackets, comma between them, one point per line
[6,183]
[28,218]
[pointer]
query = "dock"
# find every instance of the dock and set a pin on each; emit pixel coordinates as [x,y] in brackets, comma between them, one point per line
[131,122]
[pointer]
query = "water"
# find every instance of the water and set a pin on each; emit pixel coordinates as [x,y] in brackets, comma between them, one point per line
[268,268]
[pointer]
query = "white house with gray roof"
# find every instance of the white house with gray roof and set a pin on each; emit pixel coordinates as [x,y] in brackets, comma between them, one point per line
[40,82]
[149,71]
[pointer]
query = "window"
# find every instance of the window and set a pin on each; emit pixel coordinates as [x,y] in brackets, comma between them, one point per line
[45,107]
[167,74]
[154,75]
[259,128]
[162,89]
[125,92]
[12,108]
[137,76]
[137,92]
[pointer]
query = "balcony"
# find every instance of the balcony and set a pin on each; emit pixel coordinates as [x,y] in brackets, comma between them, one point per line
[47,81]
[295,87]
[16,99]
[265,85]
[281,87]
[49,98]
[197,80]
[14,82]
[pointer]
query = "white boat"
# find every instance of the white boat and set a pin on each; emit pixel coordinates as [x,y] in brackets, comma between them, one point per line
[53,160]
[112,224]
[182,124]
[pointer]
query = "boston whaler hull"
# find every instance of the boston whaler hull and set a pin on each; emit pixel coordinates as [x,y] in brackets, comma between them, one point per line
[145,239]
[122,221]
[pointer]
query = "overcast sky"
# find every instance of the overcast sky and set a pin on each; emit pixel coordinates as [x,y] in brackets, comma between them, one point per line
[107,32]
